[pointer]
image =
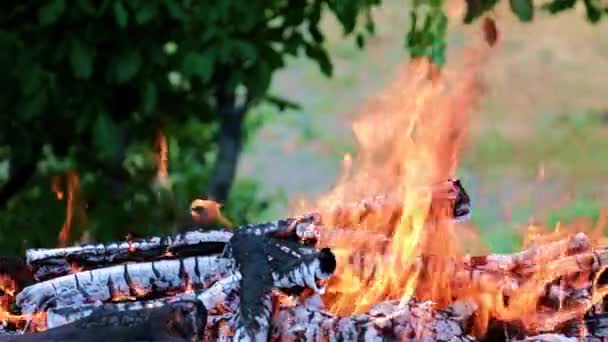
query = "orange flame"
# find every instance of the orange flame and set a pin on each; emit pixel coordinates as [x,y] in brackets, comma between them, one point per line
[409,139]
[74,209]
[7,285]
[161,157]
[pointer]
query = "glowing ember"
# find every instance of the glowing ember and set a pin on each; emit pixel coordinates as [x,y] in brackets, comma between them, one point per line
[7,285]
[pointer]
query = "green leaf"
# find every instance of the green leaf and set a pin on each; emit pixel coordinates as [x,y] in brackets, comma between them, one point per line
[50,12]
[476,8]
[86,7]
[146,13]
[128,65]
[81,59]
[245,49]
[259,80]
[593,13]
[31,80]
[523,9]
[34,105]
[149,97]
[319,55]
[316,34]
[557,6]
[175,10]
[120,14]
[198,64]
[106,137]
[281,103]
[360,41]
[438,54]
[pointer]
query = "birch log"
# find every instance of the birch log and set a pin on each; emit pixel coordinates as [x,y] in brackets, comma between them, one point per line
[49,263]
[123,282]
[212,297]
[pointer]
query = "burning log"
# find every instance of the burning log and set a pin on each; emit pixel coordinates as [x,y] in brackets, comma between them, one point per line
[127,281]
[522,262]
[178,321]
[55,262]
[213,296]
[49,263]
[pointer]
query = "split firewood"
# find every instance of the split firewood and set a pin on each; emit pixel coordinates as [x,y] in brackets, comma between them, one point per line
[215,295]
[178,321]
[123,282]
[49,263]
[268,261]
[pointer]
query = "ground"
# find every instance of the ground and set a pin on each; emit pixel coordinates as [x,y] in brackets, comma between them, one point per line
[538,146]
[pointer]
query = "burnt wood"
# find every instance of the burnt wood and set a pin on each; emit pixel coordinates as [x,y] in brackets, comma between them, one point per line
[176,322]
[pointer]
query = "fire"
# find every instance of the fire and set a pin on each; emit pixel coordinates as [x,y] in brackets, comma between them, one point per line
[74,210]
[7,285]
[36,321]
[162,158]
[409,140]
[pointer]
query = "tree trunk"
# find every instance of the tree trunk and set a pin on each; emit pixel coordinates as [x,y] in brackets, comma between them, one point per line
[230,144]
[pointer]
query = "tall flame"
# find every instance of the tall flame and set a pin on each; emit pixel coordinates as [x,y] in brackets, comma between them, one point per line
[408,139]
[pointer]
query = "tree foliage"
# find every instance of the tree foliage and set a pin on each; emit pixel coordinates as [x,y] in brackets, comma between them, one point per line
[89,84]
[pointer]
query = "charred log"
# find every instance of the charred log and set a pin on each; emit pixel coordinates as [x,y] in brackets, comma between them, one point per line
[179,321]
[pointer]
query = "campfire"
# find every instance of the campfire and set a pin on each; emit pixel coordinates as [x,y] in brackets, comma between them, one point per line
[383,256]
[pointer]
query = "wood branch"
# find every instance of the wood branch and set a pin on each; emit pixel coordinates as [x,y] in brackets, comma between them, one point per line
[178,321]
[123,282]
[215,295]
[410,321]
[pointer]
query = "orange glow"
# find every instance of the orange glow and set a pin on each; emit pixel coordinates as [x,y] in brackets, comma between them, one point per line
[74,210]
[161,157]
[56,187]
[7,285]
[37,321]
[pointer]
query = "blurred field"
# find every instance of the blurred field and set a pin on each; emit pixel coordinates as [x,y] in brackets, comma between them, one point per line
[538,147]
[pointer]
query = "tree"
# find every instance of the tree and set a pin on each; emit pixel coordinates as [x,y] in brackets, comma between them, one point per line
[88,86]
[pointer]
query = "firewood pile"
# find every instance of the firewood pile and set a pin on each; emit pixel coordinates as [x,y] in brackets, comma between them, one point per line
[269,281]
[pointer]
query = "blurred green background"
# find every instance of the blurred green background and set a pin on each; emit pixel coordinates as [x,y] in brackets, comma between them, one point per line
[89,86]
